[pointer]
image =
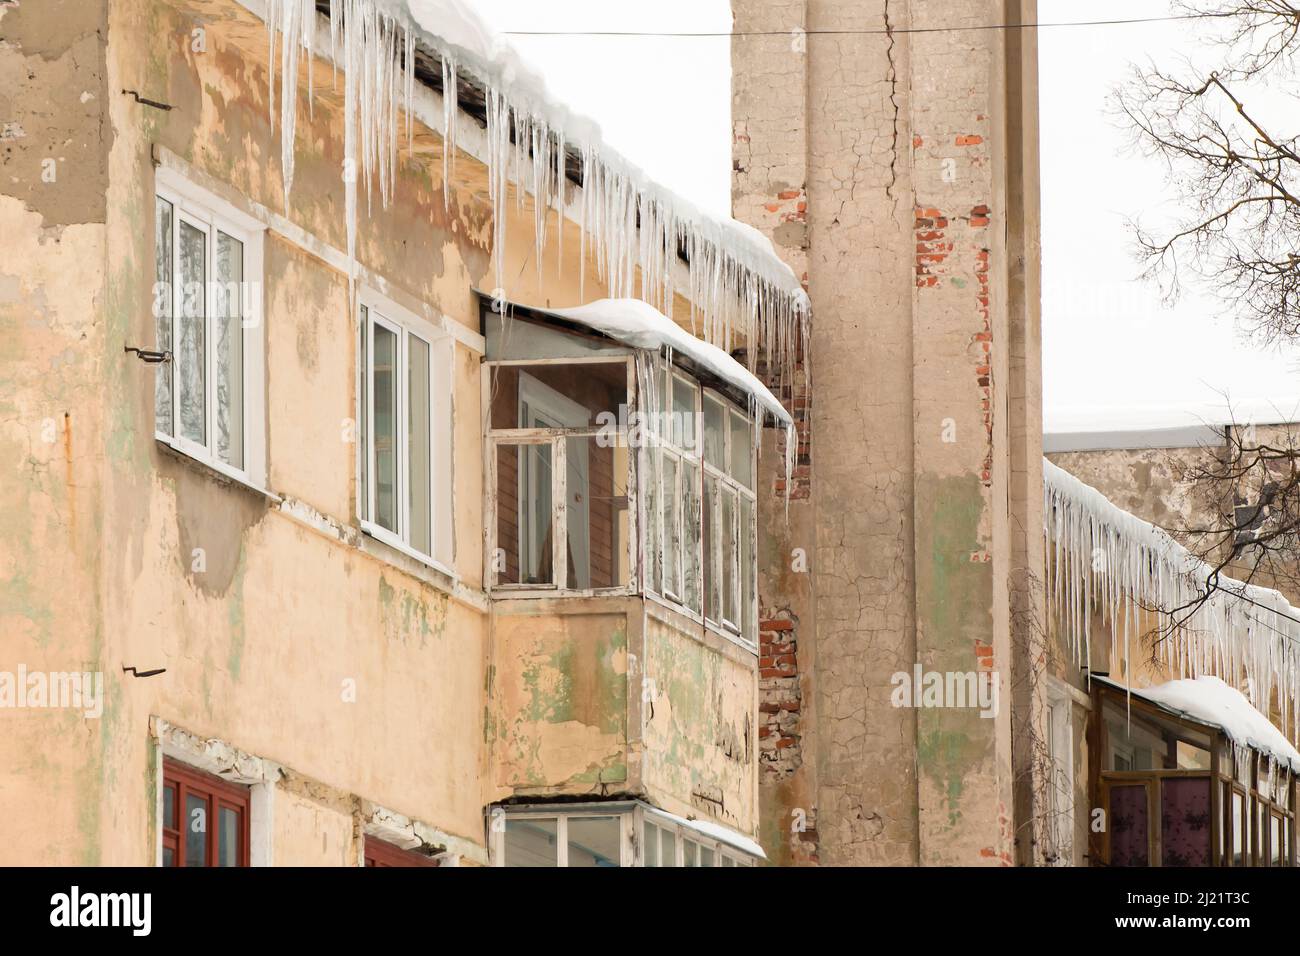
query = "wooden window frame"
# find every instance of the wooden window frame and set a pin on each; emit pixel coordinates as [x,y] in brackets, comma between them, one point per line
[557,440]
[1224,782]
[379,853]
[219,794]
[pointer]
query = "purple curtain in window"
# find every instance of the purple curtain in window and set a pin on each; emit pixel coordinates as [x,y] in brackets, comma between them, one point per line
[1128,826]
[1185,821]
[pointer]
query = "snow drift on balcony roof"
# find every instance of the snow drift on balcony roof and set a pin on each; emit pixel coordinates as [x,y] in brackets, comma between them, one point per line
[642,326]
[1211,701]
[631,225]
[1103,559]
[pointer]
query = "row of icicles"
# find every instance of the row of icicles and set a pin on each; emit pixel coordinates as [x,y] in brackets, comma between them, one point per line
[632,234]
[1103,560]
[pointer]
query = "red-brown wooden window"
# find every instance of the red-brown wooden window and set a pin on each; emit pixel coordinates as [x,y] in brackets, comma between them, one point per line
[381,853]
[205,819]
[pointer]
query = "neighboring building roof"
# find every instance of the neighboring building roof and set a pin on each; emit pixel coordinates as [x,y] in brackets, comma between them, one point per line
[1208,700]
[1187,436]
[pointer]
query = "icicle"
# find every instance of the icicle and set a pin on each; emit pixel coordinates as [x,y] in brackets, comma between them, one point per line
[291,44]
[449,112]
[1240,633]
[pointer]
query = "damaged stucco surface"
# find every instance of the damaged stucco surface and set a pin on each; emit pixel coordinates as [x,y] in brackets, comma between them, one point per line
[280,632]
[887,165]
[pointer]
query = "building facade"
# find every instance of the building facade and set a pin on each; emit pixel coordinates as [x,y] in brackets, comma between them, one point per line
[326,541]
[895,168]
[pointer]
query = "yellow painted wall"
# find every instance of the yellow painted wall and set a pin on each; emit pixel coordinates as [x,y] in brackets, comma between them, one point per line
[99,522]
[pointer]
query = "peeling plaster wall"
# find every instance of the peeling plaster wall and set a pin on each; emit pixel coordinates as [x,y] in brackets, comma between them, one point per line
[53,93]
[613,697]
[898,170]
[559,710]
[263,646]
[100,522]
[700,739]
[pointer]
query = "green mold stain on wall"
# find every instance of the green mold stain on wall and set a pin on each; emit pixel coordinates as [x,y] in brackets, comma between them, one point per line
[406,615]
[954,609]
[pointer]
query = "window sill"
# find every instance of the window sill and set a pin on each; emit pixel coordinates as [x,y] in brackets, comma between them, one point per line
[382,542]
[505,592]
[216,469]
[707,626]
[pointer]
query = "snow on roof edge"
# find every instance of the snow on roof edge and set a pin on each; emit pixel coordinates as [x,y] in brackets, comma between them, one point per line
[641,325]
[1211,701]
[473,44]
[1109,557]
[716,831]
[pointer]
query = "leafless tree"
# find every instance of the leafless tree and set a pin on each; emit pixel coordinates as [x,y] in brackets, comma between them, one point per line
[1233,161]
[1234,167]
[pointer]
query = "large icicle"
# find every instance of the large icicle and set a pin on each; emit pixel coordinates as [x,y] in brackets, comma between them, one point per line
[1105,559]
[635,230]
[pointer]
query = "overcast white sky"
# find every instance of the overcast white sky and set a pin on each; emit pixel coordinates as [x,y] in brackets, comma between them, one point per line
[1114,356]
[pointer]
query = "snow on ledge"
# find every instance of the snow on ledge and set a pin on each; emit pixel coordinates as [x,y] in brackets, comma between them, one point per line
[642,326]
[1209,700]
[715,831]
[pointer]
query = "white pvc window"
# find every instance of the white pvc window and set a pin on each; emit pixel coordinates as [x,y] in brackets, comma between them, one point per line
[589,835]
[207,307]
[404,431]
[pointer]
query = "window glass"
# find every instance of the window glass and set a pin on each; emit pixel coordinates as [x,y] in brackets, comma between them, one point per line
[594,841]
[419,446]
[228,324]
[598,523]
[748,570]
[742,450]
[384,383]
[691,519]
[1185,821]
[715,425]
[228,849]
[524,510]
[531,842]
[683,423]
[706,856]
[690,855]
[1128,826]
[651,845]
[196,830]
[162,311]
[363,454]
[192,348]
[1240,831]
[672,528]
[728,558]
[578,395]
[712,593]
[654,521]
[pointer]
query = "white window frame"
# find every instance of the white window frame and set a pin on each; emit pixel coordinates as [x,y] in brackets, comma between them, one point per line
[561,818]
[1060,789]
[208,212]
[382,311]
[632,817]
